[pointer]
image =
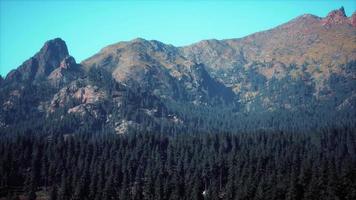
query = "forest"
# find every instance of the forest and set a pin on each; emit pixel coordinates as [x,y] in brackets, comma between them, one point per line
[257,165]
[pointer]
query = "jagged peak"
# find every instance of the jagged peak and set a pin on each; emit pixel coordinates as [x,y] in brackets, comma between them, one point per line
[338,12]
[336,17]
[42,63]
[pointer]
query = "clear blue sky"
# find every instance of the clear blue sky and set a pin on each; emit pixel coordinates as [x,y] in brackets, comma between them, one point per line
[87,26]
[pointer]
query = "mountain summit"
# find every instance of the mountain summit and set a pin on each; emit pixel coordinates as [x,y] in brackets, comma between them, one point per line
[55,48]
[337,17]
[42,63]
[302,71]
[339,13]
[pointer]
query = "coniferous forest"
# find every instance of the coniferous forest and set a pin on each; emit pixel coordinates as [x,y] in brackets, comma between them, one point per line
[244,166]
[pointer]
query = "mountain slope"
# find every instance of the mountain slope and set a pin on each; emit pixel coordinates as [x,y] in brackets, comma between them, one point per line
[301,74]
[160,69]
[309,48]
[308,38]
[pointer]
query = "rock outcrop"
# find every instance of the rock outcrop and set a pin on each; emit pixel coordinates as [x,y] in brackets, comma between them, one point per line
[67,71]
[338,17]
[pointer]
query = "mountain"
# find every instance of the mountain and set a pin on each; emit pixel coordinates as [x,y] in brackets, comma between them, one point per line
[301,74]
[159,69]
[307,47]
[308,38]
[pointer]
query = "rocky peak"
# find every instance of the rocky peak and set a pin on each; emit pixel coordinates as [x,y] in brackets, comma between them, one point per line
[42,63]
[339,12]
[54,46]
[51,55]
[335,17]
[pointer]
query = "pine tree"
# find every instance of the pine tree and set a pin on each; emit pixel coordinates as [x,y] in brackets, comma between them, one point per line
[53,193]
[198,189]
[32,195]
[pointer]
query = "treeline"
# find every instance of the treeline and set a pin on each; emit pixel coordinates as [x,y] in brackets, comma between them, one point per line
[244,166]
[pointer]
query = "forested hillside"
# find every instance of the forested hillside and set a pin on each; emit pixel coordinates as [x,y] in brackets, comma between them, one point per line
[259,165]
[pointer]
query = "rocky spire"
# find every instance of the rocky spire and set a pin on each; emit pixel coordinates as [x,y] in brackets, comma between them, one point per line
[336,17]
[51,55]
[339,12]
[42,63]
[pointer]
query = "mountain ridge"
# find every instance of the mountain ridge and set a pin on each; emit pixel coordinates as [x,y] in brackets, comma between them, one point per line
[304,67]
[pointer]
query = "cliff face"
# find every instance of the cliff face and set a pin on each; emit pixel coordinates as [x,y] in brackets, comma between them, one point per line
[303,66]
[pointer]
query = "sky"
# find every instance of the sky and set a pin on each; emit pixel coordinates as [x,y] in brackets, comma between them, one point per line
[87,26]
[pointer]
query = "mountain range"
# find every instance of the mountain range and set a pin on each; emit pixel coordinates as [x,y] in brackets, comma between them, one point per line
[301,74]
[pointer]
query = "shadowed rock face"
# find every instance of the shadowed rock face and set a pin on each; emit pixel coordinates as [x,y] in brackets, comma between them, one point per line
[67,62]
[42,63]
[67,71]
